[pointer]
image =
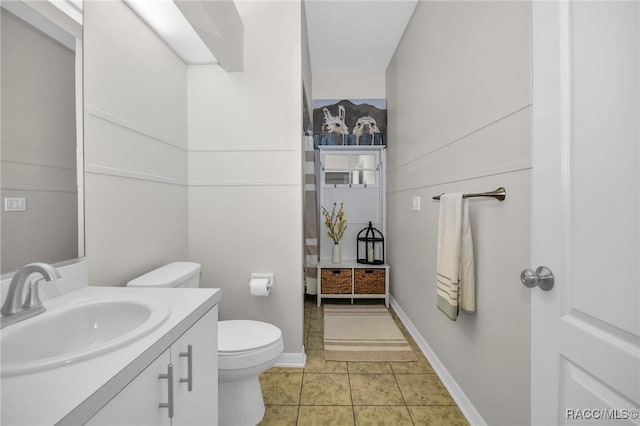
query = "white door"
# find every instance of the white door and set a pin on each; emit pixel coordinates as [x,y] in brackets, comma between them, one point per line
[585,350]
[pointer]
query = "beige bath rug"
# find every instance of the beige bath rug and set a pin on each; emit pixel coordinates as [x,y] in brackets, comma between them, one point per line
[363,333]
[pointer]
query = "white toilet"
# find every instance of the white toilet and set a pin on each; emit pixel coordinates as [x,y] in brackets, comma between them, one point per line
[245,349]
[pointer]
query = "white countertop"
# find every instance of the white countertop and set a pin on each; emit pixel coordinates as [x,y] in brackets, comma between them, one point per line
[72,394]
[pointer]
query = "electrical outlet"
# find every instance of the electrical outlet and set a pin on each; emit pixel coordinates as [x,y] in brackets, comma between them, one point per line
[416,203]
[15,204]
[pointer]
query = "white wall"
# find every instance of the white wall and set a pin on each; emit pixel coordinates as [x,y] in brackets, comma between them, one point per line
[38,146]
[135,146]
[245,170]
[307,80]
[459,106]
[346,85]
[238,187]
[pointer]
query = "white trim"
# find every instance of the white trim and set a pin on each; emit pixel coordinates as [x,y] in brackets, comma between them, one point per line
[110,171]
[517,166]
[265,182]
[456,392]
[477,129]
[292,359]
[24,163]
[32,188]
[79,84]
[242,149]
[121,122]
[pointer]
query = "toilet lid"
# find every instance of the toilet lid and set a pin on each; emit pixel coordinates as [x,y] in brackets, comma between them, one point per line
[245,335]
[167,276]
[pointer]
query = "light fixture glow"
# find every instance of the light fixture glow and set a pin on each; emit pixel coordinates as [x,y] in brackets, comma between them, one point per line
[168,22]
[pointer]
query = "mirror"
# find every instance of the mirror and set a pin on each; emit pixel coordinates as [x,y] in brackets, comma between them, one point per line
[41,145]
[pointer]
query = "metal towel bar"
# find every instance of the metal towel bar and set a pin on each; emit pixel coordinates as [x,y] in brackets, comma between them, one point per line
[499,194]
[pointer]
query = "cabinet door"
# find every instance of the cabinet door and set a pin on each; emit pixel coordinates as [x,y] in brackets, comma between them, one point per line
[139,402]
[198,406]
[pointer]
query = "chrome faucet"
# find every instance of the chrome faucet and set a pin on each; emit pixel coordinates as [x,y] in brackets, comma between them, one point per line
[14,309]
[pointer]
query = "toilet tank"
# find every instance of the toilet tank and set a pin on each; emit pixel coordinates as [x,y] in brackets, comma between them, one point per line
[176,274]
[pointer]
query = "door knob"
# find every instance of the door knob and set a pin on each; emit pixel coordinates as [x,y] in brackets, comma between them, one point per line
[541,277]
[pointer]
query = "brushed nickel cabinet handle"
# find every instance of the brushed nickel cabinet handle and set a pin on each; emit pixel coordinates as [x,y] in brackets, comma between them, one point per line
[189,379]
[168,376]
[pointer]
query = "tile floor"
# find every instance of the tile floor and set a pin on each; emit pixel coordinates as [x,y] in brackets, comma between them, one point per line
[355,393]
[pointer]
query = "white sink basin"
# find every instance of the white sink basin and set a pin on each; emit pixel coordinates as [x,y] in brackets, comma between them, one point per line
[78,330]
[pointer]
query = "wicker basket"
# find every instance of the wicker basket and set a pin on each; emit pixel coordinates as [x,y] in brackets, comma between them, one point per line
[369,281]
[336,281]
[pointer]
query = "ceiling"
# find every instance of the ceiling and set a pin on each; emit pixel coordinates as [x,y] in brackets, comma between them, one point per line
[355,35]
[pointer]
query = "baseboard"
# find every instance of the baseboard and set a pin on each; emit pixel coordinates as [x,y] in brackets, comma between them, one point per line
[465,405]
[292,359]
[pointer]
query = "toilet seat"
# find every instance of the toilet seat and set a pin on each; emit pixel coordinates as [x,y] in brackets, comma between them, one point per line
[246,343]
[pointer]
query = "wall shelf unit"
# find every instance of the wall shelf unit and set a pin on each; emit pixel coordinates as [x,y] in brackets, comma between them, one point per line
[353,175]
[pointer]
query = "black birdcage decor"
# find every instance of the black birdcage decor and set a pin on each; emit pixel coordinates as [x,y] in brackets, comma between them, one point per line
[370,246]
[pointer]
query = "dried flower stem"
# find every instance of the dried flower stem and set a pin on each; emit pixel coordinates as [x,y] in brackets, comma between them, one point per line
[335,222]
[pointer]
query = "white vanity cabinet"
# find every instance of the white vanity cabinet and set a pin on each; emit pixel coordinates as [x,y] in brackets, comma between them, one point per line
[138,403]
[195,403]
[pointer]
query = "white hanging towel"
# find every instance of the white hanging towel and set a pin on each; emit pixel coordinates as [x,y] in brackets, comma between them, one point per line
[455,268]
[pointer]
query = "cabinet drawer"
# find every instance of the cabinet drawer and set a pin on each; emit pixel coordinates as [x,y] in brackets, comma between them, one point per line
[336,281]
[369,281]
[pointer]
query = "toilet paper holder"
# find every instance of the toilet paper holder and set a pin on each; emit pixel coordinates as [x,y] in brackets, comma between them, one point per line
[262,276]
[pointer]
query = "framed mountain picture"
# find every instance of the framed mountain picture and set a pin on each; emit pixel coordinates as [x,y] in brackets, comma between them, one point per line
[350,122]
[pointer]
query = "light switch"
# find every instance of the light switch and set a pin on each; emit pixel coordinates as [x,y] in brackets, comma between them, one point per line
[15,204]
[416,203]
